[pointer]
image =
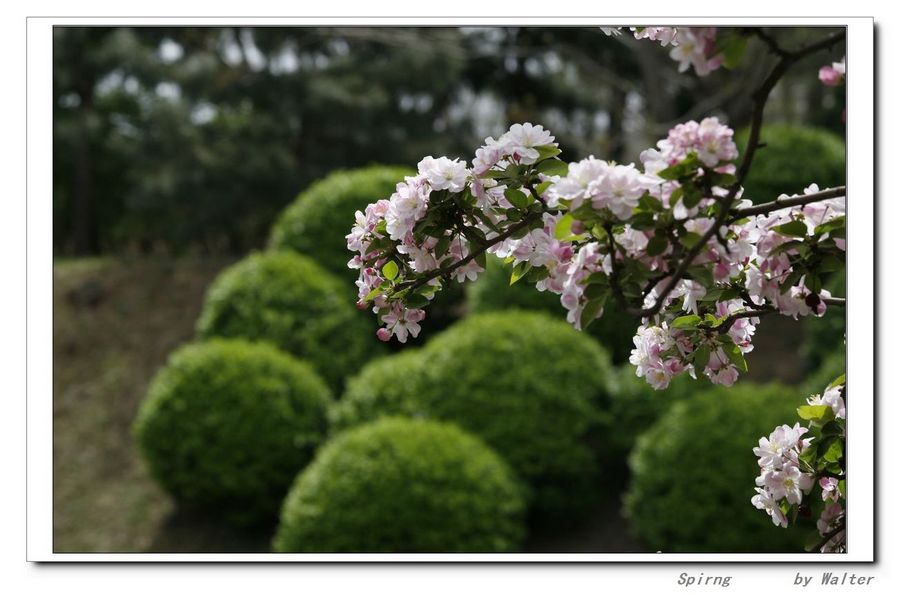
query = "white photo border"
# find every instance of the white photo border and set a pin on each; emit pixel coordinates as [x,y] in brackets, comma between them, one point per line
[860,288]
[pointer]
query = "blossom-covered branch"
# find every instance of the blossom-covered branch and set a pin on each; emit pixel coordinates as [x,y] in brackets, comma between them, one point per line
[796,460]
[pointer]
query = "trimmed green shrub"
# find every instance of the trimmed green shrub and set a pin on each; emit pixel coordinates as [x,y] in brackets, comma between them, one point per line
[633,407]
[530,386]
[793,158]
[400,485]
[288,300]
[693,473]
[492,292]
[317,221]
[227,424]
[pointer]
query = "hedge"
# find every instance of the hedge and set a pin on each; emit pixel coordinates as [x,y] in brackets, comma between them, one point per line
[532,387]
[693,473]
[227,424]
[291,302]
[400,485]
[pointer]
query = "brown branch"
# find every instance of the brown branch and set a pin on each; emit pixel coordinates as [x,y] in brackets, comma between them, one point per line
[760,97]
[793,201]
[527,220]
[835,301]
[726,324]
[769,41]
[829,536]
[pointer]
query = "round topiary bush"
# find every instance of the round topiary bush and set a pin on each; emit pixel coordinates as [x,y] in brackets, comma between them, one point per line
[400,485]
[290,301]
[317,221]
[693,473]
[227,424]
[530,386]
[793,158]
[492,292]
[633,407]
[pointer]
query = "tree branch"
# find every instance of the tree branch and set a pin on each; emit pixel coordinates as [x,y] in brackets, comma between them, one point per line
[835,301]
[527,220]
[726,324]
[760,97]
[829,536]
[781,203]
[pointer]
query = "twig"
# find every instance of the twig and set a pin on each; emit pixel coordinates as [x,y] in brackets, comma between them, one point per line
[433,274]
[793,201]
[829,536]
[726,324]
[760,97]
[835,301]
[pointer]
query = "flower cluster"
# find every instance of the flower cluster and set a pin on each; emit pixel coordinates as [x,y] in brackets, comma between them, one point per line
[424,228]
[833,75]
[691,46]
[593,230]
[780,476]
[795,460]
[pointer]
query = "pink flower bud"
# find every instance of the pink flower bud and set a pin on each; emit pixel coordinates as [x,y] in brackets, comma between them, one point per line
[383,334]
[830,77]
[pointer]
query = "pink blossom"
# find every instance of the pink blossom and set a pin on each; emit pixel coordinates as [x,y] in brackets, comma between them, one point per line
[833,75]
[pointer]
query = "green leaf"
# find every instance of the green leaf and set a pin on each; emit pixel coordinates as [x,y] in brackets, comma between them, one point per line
[519,271]
[686,322]
[832,225]
[793,228]
[685,168]
[813,282]
[390,270]
[842,379]
[736,356]
[513,170]
[417,300]
[834,452]
[518,198]
[689,239]
[790,281]
[642,221]
[701,275]
[692,197]
[701,358]
[733,50]
[597,290]
[553,167]
[481,259]
[815,412]
[831,263]
[651,203]
[832,428]
[373,294]
[547,151]
[591,310]
[657,245]
[564,226]
[542,187]
[442,246]
[842,486]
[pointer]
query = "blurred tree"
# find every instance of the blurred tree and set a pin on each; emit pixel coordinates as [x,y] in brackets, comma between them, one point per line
[175,139]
